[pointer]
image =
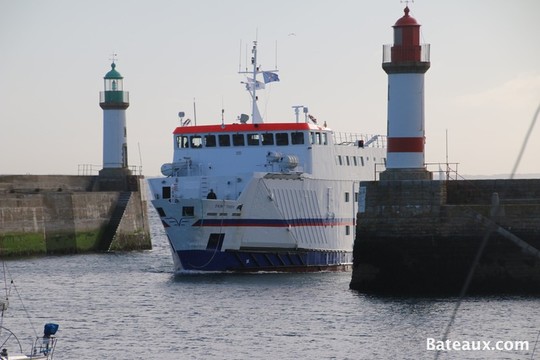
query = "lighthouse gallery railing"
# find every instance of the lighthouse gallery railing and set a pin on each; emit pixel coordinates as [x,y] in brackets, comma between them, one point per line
[392,52]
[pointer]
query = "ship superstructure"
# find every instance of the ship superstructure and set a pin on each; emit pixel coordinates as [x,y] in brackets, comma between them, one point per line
[256,196]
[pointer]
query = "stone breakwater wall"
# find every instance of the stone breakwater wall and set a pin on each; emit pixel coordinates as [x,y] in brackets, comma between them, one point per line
[58,214]
[423,236]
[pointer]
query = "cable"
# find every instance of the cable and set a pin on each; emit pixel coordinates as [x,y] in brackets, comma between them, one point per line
[486,238]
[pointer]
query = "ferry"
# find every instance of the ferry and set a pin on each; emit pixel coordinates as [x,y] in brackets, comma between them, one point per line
[254,196]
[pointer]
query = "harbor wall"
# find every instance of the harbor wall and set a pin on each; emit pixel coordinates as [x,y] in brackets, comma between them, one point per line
[59,214]
[423,236]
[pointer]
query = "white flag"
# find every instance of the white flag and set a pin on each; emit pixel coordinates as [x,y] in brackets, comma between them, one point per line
[252,83]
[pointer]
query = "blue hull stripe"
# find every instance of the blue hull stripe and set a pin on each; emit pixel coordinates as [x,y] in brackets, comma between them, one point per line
[250,261]
[273,222]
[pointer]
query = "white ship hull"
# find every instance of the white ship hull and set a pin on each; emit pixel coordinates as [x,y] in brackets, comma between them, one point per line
[279,222]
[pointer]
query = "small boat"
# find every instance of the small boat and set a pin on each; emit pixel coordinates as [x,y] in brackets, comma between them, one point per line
[254,196]
[10,346]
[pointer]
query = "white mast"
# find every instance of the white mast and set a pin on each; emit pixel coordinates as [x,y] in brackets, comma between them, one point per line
[255,114]
[252,85]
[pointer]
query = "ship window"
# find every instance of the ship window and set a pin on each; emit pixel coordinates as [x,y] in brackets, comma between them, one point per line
[355,162]
[297,138]
[356,196]
[324,138]
[347,160]
[210,140]
[340,161]
[196,141]
[312,138]
[268,139]
[188,211]
[347,197]
[282,139]
[253,139]
[347,230]
[182,142]
[224,140]
[318,138]
[166,192]
[362,160]
[238,140]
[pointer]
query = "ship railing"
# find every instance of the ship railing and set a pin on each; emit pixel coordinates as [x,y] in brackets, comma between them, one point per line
[363,140]
[187,168]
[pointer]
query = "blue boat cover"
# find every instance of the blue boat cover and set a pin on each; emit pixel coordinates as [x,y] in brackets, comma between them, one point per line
[50,329]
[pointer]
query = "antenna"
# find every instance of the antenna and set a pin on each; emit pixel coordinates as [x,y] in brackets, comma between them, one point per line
[276,56]
[194,112]
[406,2]
[140,158]
[222,112]
[240,57]
[297,111]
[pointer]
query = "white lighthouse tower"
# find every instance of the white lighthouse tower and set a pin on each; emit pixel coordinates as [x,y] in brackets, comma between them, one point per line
[114,101]
[406,61]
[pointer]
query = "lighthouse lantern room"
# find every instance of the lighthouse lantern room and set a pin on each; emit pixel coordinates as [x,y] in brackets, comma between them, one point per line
[406,61]
[114,101]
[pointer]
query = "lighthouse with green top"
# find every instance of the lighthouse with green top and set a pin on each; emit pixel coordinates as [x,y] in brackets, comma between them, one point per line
[114,101]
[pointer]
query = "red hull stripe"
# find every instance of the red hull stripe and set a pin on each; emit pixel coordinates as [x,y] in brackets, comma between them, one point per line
[406,144]
[245,128]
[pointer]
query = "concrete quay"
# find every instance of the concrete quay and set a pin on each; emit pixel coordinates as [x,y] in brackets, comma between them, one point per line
[60,214]
[423,236]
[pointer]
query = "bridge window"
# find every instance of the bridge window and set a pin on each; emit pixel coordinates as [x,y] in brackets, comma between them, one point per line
[340,161]
[347,160]
[182,142]
[268,139]
[347,230]
[355,162]
[224,140]
[210,140]
[238,140]
[282,139]
[196,141]
[297,138]
[324,138]
[253,139]
[347,197]
[362,160]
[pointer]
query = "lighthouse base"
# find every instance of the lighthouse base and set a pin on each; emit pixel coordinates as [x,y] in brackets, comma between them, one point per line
[406,174]
[115,172]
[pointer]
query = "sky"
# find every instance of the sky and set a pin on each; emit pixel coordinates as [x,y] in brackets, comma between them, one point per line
[481,91]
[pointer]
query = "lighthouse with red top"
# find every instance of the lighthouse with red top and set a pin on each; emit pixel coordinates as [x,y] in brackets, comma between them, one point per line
[406,61]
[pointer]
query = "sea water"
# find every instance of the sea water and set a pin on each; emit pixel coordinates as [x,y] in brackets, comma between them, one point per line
[132,306]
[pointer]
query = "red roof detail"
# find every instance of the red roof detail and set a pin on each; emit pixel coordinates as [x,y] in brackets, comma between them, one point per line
[406,20]
[205,129]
